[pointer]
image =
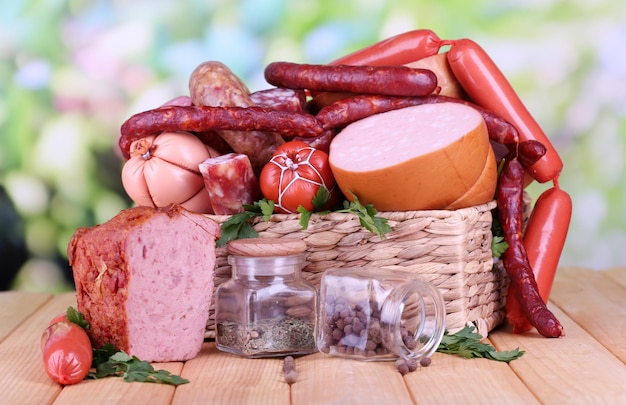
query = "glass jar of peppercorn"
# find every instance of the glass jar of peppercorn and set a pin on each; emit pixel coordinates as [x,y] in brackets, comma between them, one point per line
[378,314]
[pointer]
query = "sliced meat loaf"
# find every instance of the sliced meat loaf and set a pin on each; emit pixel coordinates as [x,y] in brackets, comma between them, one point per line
[144,281]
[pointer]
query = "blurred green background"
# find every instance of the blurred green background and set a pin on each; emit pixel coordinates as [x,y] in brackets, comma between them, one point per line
[71,71]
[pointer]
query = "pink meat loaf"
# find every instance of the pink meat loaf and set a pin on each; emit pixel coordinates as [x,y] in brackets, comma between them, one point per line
[144,281]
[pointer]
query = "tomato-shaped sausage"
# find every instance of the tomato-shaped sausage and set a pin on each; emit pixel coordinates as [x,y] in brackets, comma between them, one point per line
[163,170]
[67,352]
[294,175]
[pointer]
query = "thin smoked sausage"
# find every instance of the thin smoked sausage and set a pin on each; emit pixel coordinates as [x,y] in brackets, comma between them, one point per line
[390,80]
[523,284]
[200,119]
[544,239]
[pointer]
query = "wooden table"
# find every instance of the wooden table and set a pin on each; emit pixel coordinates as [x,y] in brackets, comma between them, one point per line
[585,366]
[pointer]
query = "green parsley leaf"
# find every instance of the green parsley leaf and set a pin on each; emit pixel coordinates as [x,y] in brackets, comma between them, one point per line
[238,225]
[266,207]
[367,216]
[498,246]
[76,317]
[321,198]
[466,343]
[305,216]
[132,369]
[319,201]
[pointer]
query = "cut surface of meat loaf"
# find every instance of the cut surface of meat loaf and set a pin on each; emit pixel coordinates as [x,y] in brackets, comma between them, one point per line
[416,158]
[144,281]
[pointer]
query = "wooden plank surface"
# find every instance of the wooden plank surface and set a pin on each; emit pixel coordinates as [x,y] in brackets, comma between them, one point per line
[16,307]
[455,380]
[596,301]
[327,379]
[586,366]
[222,378]
[577,367]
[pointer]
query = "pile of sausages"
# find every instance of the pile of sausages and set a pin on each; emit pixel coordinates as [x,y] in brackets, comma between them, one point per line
[224,114]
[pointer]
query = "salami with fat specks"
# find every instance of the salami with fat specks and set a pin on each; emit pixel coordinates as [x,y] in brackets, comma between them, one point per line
[390,80]
[230,181]
[523,284]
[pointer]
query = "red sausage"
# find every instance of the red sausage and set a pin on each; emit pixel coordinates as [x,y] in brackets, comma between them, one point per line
[390,80]
[350,109]
[397,50]
[487,86]
[200,119]
[515,258]
[544,240]
[67,352]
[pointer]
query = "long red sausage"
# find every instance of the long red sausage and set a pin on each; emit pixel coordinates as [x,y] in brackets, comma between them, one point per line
[201,119]
[394,51]
[523,284]
[544,239]
[390,80]
[487,86]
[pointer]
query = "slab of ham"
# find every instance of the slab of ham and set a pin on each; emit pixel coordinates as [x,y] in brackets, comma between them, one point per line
[144,281]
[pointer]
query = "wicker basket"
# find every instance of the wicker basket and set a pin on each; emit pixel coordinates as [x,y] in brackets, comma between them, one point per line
[451,249]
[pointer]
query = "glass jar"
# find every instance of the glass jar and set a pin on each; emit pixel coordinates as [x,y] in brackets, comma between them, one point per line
[266,309]
[377,314]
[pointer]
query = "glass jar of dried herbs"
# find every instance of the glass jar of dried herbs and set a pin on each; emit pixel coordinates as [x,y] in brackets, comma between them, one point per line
[266,309]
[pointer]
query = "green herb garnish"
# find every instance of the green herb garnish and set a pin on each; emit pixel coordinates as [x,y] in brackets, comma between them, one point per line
[466,343]
[367,216]
[131,368]
[76,317]
[238,225]
[498,244]
[319,201]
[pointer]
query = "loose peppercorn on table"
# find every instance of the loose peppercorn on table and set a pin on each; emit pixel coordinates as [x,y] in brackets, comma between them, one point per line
[585,366]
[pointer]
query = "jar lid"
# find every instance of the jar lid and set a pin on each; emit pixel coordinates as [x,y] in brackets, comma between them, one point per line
[260,247]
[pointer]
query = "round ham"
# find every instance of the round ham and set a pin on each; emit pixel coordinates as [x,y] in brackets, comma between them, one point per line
[415,158]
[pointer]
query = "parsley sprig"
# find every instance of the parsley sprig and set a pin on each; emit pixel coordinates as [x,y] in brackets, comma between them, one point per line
[238,226]
[467,343]
[110,362]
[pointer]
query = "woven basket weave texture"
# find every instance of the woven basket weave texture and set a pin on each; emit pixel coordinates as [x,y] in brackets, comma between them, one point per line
[450,249]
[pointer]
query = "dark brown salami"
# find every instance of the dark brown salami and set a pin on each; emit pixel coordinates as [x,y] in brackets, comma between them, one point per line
[350,109]
[200,119]
[389,80]
[279,98]
[530,151]
[523,283]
